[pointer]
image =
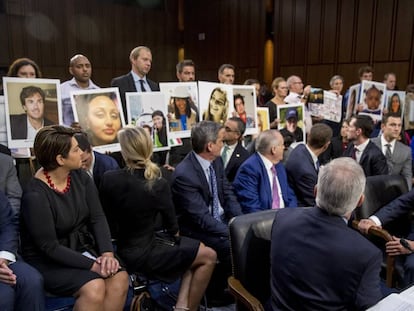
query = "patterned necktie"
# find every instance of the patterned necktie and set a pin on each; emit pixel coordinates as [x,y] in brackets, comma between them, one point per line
[275,190]
[224,155]
[216,204]
[353,153]
[142,85]
[388,156]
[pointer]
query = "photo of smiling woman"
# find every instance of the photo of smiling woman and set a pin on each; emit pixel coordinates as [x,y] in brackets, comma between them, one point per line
[218,106]
[99,115]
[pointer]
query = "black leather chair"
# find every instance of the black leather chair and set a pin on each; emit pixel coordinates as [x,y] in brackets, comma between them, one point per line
[379,191]
[250,252]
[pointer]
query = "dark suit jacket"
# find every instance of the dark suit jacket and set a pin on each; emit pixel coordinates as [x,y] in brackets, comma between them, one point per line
[9,183]
[192,198]
[125,84]
[401,160]
[302,175]
[252,186]
[401,206]
[319,263]
[373,161]
[9,224]
[240,154]
[334,151]
[102,164]
[18,125]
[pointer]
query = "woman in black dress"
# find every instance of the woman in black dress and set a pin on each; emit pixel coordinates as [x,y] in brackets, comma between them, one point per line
[65,235]
[133,198]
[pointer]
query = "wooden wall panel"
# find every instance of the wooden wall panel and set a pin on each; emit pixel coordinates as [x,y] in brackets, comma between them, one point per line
[342,36]
[50,32]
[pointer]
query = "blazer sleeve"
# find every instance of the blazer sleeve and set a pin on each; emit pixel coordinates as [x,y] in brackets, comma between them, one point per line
[9,223]
[12,187]
[406,170]
[397,208]
[289,196]
[369,292]
[188,199]
[246,188]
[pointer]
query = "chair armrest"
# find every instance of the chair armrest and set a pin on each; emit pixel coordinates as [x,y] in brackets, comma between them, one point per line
[390,260]
[242,294]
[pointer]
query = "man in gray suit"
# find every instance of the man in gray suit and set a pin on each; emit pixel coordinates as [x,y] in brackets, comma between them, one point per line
[398,155]
[9,183]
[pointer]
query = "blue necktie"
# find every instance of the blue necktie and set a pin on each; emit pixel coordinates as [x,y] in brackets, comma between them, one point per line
[216,204]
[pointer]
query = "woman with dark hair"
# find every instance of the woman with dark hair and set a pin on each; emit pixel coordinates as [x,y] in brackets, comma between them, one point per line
[394,104]
[99,116]
[165,258]
[24,68]
[65,235]
[184,112]
[160,132]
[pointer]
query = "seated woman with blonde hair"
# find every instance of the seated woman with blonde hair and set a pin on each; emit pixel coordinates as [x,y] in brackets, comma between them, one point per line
[132,198]
[65,235]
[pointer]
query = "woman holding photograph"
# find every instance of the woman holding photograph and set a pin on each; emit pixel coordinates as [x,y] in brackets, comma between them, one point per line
[65,235]
[218,107]
[280,91]
[99,116]
[183,116]
[165,258]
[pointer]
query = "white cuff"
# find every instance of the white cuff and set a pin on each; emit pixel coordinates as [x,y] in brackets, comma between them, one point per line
[376,220]
[8,256]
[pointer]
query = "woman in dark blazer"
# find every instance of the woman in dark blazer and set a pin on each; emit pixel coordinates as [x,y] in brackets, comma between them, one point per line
[132,198]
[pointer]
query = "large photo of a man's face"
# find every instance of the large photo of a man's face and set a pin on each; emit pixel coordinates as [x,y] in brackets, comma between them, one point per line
[30,105]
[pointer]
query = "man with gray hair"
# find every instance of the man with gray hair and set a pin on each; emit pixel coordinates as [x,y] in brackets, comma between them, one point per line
[261,182]
[136,80]
[326,264]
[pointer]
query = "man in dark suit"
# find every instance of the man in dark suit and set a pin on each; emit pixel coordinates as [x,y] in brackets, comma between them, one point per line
[233,153]
[94,163]
[136,80]
[9,183]
[203,198]
[398,155]
[261,182]
[317,261]
[302,165]
[364,151]
[26,125]
[400,207]
[21,286]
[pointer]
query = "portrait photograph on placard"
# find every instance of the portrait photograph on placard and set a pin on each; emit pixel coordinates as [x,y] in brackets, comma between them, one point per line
[215,100]
[99,114]
[396,102]
[292,123]
[30,105]
[353,100]
[182,101]
[149,111]
[263,122]
[372,99]
[244,107]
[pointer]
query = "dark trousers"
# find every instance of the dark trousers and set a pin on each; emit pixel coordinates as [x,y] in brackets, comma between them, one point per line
[27,294]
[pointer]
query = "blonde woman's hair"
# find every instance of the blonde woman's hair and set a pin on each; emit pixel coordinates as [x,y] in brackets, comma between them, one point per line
[136,149]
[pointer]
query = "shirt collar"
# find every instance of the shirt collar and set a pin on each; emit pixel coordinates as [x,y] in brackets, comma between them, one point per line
[362,146]
[137,77]
[205,164]
[384,142]
[314,157]
[267,163]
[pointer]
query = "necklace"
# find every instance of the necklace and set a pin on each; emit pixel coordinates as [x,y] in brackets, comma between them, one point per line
[52,185]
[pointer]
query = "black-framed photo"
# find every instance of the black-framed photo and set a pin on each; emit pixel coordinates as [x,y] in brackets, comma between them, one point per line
[149,111]
[99,114]
[30,105]
[183,111]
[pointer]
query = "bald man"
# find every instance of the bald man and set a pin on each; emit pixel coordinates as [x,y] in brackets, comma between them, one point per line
[81,70]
